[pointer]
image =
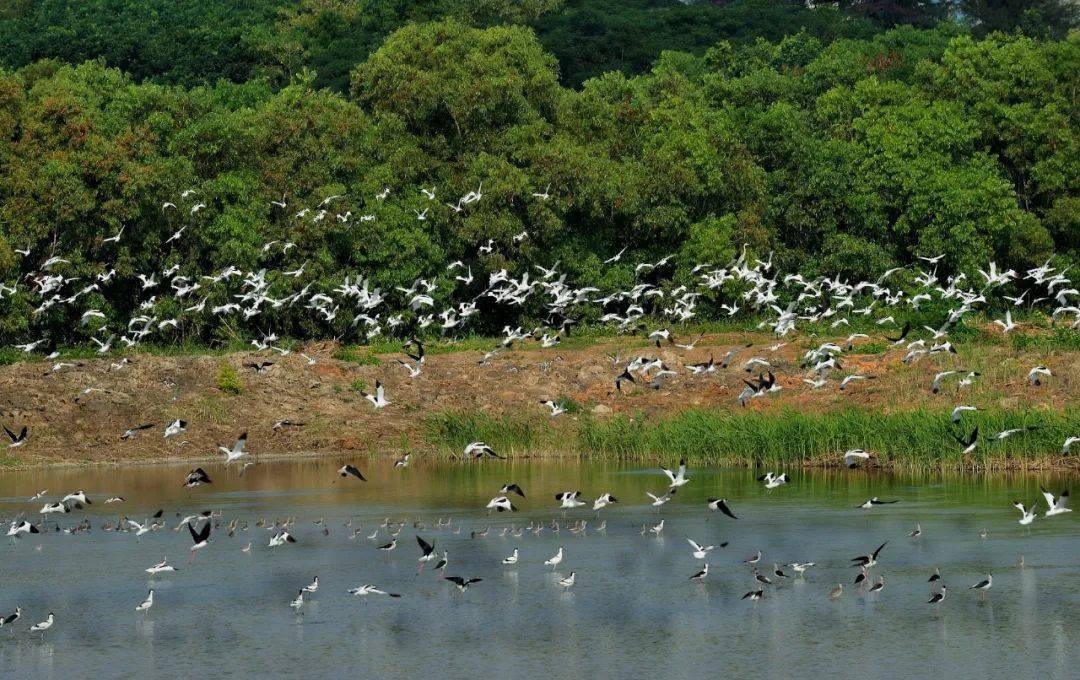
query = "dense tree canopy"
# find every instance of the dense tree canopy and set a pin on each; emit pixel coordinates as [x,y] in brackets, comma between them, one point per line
[844,156]
[192,42]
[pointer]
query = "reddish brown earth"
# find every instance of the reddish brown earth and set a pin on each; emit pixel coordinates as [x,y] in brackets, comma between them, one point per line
[68,426]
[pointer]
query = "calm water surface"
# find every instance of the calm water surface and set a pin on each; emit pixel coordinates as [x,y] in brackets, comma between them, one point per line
[632,614]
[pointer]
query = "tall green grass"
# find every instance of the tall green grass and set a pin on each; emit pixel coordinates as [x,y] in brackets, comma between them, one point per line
[916,439]
[451,432]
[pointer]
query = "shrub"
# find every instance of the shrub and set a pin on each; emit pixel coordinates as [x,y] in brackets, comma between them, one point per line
[227,379]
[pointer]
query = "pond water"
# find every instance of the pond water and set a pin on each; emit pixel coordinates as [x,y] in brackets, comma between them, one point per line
[632,613]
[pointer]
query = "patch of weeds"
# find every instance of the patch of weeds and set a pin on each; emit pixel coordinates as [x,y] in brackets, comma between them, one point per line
[211,408]
[357,354]
[227,379]
[358,385]
[875,347]
[569,404]
[1059,338]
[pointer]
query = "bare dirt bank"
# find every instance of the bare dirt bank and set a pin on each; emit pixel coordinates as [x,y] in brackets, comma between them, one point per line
[69,425]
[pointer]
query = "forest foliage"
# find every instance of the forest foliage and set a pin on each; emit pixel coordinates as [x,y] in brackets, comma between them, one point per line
[197,42]
[844,150]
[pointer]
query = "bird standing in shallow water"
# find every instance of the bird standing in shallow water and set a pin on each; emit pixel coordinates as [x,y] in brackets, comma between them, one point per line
[555,559]
[938,597]
[800,567]
[299,601]
[43,626]
[147,603]
[11,618]
[984,585]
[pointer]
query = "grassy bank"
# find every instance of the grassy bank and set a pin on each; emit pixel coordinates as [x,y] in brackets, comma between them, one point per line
[915,439]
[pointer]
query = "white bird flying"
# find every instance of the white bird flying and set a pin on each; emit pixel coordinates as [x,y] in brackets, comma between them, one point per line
[1036,375]
[772,481]
[657,501]
[556,408]
[378,399]
[677,479]
[176,427]
[1055,505]
[237,451]
[1027,516]
[702,551]
[569,500]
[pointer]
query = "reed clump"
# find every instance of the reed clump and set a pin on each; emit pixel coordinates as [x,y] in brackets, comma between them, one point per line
[451,432]
[911,439]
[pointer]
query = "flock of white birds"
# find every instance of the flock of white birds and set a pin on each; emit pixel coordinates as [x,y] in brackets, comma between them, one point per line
[746,283]
[234,295]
